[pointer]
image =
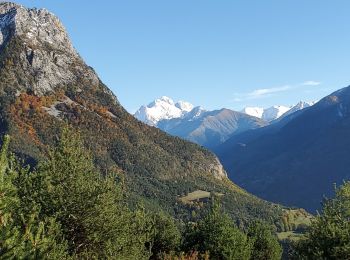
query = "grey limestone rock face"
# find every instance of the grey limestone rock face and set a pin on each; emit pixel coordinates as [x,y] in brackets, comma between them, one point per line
[218,170]
[47,52]
[35,26]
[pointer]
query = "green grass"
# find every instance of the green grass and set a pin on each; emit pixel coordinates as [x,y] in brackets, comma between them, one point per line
[196,195]
[290,235]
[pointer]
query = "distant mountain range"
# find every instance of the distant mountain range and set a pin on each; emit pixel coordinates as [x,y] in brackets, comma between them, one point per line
[208,128]
[297,159]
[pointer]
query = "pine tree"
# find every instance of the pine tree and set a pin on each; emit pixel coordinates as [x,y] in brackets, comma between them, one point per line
[23,236]
[329,235]
[165,235]
[9,203]
[265,243]
[89,207]
[218,235]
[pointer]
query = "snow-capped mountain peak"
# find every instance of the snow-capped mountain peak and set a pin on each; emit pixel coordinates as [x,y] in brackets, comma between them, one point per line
[272,113]
[299,106]
[267,114]
[253,111]
[162,108]
[184,106]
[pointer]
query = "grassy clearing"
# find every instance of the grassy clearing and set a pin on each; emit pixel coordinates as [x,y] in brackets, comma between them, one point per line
[290,235]
[197,195]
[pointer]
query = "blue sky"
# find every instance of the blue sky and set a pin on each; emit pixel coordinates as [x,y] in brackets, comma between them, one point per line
[212,53]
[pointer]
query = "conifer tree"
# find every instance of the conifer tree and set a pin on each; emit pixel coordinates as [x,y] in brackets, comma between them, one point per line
[90,208]
[165,235]
[265,243]
[329,235]
[24,236]
[218,235]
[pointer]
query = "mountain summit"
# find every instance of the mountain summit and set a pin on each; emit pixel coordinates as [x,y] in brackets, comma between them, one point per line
[34,26]
[47,53]
[161,109]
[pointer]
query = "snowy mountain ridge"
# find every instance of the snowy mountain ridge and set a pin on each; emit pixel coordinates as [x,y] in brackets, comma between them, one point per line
[163,108]
[278,111]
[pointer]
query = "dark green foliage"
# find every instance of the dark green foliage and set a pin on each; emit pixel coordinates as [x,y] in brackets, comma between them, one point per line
[90,208]
[67,209]
[165,236]
[23,235]
[329,235]
[218,235]
[265,243]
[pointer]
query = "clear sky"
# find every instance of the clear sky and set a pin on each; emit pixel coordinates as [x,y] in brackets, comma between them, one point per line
[231,53]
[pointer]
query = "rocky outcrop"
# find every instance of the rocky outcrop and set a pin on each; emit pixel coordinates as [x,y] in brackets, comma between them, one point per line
[35,26]
[46,51]
[218,170]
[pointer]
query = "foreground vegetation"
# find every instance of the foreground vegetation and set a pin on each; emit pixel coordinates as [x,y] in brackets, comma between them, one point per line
[66,209]
[328,237]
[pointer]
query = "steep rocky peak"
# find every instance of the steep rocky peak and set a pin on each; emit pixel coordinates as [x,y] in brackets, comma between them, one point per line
[41,51]
[34,26]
